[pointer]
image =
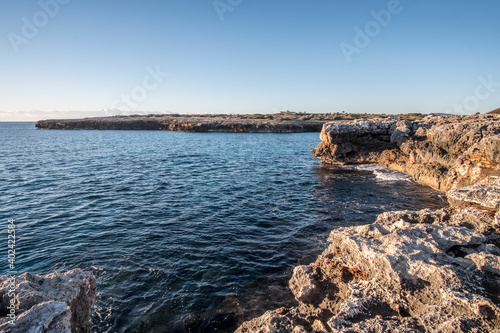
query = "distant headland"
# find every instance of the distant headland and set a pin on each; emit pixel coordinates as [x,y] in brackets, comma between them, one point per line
[282,122]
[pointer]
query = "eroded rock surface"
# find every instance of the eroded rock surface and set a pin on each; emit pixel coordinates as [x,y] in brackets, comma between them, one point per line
[483,195]
[409,271]
[441,152]
[424,271]
[55,303]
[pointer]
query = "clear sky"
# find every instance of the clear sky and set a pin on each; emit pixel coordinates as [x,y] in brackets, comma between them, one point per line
[74,58]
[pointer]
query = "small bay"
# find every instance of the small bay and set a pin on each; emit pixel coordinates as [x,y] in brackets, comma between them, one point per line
[175,225]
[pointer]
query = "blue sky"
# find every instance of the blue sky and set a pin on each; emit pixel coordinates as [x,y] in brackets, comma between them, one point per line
[74,58]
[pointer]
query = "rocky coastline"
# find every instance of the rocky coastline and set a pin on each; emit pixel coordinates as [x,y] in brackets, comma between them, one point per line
[409,271]
[184,124]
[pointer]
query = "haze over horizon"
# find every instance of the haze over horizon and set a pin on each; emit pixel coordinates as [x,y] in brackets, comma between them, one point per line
[73,59]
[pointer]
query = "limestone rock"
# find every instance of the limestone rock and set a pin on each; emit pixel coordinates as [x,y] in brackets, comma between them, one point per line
[473,218]
[275,321]
[57,302]
[185,124]
[408,272]
[422,216]
[402,132]
[441,152]
[424,271]
[484,195]
[302,285]
[355,141]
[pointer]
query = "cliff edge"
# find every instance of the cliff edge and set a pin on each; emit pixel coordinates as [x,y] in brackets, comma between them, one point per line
[184,124]
[438,151]
[409,271]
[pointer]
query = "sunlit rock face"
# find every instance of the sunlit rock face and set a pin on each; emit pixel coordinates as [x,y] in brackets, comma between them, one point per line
[441,152]
[409,271]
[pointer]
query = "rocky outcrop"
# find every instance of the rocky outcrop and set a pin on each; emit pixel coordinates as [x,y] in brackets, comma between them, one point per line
[185,124]
[409,271]
[441,152]
[424,271]
[483,195]
[57,302]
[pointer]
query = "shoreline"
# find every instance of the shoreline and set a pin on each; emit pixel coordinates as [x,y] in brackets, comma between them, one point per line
[283,122]
[183,124]
[427,270]
[409,271]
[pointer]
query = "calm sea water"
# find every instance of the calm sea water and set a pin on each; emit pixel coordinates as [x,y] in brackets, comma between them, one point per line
[186,232]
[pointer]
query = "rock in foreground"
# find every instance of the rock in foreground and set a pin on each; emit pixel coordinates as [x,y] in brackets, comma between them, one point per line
[424,271]
[55,303]
[419,271]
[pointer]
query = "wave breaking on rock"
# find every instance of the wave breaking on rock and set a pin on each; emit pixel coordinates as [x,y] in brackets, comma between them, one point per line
[409,271]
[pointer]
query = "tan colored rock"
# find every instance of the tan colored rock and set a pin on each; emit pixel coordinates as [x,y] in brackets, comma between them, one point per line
[415,271]
[53,303]
[437,151]
[484,195]
[424,271]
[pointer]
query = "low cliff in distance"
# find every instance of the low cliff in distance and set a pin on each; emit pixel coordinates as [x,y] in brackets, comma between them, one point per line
[190,124]
[409,271]
[283,122]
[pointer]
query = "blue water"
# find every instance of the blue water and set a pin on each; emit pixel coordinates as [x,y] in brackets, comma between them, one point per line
[181,227]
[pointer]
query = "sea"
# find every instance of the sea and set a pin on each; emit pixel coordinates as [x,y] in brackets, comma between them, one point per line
[185,232]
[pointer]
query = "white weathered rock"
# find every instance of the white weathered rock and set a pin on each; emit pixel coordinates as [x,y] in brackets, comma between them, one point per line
[302,285]
[441,152]
[402,132]
[484,195]
[443,263]
[53,303]
[335,131]
[415,271]
[426,271]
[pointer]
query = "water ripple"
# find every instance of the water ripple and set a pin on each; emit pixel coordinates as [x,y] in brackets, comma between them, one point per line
[180,227]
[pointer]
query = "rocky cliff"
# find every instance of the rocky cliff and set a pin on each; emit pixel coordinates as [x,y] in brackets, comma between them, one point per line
[423,271]
[185,124]
[437,151]
[53,303]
